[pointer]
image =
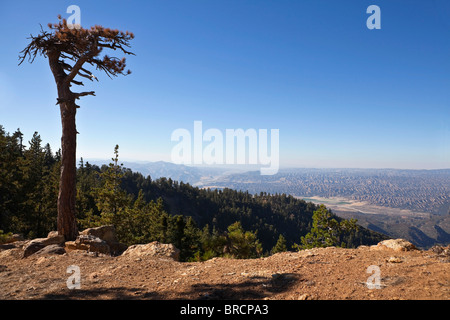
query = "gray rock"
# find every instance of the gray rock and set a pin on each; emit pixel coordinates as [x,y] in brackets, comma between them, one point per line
[52,234]
[51,249]
[37,244]
[152,249]
[397,245]
[89,243]
[108,234]
[7,246]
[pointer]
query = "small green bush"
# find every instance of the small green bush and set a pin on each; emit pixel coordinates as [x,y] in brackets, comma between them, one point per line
[5,237]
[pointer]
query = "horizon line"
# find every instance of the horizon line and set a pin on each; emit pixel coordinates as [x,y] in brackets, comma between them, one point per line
[251,167]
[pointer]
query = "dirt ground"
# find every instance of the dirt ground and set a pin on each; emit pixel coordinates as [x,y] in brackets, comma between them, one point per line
[316,274]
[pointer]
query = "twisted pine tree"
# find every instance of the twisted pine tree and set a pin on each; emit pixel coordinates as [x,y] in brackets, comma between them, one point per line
[69,50]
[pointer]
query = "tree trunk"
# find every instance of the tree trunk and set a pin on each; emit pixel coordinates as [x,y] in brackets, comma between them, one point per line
[66,221]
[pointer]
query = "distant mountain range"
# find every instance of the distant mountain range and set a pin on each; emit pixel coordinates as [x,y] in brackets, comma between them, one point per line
[196,176]
[166,169]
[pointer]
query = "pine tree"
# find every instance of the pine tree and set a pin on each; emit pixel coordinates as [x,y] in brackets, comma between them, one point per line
[326,230]
[158,221]
[280,246]
[68,51]
[50,188]
[34,173]
[191,239]
[242,244]
[110,198]
[5,185]
[12,196]
[133,222]
[87,183]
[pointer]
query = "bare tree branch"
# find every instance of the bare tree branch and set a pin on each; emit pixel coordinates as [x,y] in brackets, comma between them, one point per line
[78,83]
[75,69]
[82,94]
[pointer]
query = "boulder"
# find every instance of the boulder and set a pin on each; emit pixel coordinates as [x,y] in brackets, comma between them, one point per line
[89,243]
[396,245]
[117,248]
[52,234]
[443,253]
[7,246]
[13,245]
[108,234]
[37,244]
[51,249]
[152,249]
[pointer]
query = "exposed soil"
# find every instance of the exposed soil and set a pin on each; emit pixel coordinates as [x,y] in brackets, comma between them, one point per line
[326,273]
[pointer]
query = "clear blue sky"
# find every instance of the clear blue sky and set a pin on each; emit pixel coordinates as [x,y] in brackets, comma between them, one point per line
[340,94]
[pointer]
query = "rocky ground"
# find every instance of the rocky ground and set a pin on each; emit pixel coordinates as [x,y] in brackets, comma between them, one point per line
[152,273]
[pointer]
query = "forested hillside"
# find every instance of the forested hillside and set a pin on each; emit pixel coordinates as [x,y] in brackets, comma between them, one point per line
[202,223]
